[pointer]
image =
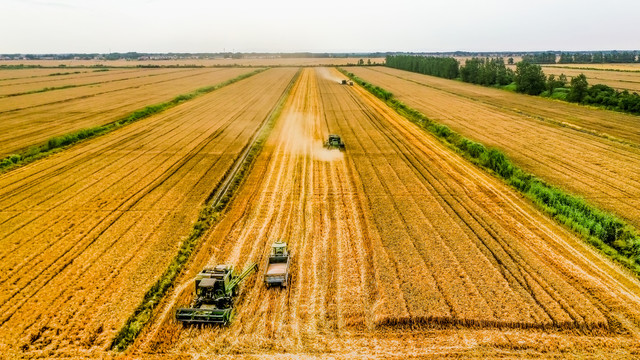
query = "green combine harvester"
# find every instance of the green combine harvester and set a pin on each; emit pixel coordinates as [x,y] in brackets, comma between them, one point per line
[216,290]
[334,142]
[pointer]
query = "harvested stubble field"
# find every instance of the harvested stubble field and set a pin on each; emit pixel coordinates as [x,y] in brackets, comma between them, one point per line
[84,233]
[32,119]
[33,83]
[31,73]
[400,248]
[589,152]
[250,61]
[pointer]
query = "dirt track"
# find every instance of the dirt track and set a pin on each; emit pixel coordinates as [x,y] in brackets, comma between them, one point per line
[529,131]
[34,118]
[396,243]
[84,233]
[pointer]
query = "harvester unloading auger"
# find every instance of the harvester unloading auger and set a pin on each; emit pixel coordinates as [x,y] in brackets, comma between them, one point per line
[216,290]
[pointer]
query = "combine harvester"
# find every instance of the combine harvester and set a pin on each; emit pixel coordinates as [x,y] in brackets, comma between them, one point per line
[278,265]
[216,290]
[345,82]
[334,142]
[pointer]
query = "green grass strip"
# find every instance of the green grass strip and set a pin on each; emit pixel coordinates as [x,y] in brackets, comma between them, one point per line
[63,141]
[210,213]
[606,232]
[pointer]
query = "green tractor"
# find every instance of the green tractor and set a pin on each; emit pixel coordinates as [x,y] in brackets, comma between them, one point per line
[334,142]
[216,290]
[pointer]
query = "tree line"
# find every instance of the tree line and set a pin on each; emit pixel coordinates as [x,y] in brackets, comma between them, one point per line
[528,78]
[540,58]
[599,57]
[487,72]
[602,95]
[445,67]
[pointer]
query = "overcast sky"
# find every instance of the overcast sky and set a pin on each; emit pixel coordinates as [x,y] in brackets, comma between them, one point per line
[87,26]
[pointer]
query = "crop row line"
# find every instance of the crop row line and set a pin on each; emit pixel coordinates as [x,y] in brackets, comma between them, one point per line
[209,215]
[58,143]
[606,232]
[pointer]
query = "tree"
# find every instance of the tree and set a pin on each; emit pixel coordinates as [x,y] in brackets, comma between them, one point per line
[563,79]
[470,72]
[510,61]
[553,83]
[486,72]
[529,78]
[597,58]
[361,62]
[579,88]
[565,58]
[446,67]
[368,61]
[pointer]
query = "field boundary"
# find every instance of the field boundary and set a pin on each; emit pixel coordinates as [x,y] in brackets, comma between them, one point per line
[209,215]
[610,235]
[61,142]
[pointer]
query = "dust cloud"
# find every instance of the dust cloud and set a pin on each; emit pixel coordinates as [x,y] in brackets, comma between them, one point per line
[301,139]
[321,154]
[329,75]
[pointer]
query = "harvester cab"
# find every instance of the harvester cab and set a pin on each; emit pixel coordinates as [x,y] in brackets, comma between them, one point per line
[279,248]
[343,82]
[334,142]
[212,284]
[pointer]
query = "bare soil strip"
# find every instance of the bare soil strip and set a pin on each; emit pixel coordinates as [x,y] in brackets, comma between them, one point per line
[401,248]
[605,172]
[84,233]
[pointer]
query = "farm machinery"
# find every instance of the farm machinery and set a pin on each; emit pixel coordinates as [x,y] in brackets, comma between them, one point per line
[345,82]
[334,142]
[216,290]
[278,265]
